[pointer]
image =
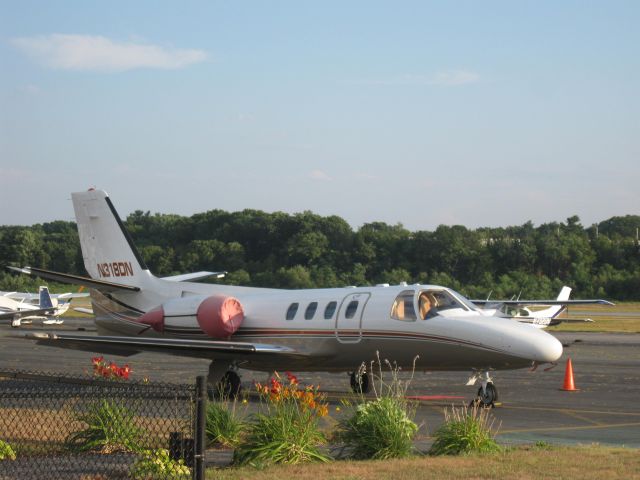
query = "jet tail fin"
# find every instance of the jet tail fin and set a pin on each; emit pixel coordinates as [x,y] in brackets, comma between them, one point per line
[107,248]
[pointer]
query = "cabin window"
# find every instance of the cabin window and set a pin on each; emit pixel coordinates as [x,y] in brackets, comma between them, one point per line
[402,308]
[292,310]
[310,311]
[329,310]
[350,312]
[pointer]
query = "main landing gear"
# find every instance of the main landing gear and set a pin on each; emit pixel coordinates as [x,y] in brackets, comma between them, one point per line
[487,396]
[360,382]
[224,381]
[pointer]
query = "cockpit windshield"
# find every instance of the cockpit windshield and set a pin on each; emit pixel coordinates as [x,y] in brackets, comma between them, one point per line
[429,303]
[432,302]
[468,303]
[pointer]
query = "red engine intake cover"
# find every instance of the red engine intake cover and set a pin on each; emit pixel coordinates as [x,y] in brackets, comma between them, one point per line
[220,317]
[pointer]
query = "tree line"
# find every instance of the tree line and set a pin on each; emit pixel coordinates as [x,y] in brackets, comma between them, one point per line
[306,250]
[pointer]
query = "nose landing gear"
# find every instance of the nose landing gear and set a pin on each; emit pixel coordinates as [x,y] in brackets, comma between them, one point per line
[487,395]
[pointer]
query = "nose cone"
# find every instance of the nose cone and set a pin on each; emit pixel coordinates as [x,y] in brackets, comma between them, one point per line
[527,342]
[546,348]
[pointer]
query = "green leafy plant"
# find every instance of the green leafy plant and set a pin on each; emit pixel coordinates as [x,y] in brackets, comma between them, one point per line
[381,428]
[158,463]
[6,452]
[109,428]
[223,426]
[465,430]
[289,431]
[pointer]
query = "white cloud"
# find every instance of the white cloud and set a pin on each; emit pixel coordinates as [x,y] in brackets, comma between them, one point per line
[446,78]
[30,89]
[97,53]
[455,77]
[320,175]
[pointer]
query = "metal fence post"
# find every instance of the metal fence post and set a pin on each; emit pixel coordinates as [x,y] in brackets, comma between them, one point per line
[201,405]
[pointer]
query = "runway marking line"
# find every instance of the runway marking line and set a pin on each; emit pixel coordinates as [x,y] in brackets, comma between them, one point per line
[571,413]
[559,429]
[577,411]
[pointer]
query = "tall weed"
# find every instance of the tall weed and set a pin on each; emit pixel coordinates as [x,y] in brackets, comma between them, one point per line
[465,430]
[223,424]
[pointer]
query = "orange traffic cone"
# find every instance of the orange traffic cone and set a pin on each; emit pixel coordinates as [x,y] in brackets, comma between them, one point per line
[569,386]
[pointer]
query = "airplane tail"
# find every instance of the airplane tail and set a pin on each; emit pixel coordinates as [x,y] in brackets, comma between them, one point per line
[564,293]
[107,248]
[45,298]
[555,310]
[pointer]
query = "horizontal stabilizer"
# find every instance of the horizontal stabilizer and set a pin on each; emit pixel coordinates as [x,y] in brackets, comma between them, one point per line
[87,311]
[101,285]
[191,277]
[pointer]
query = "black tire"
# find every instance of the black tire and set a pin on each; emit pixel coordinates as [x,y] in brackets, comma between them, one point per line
[229,386]
[488,397]
[360,383]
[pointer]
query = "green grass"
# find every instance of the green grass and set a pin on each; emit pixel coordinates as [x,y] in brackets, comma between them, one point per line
[606,319]
[526,463]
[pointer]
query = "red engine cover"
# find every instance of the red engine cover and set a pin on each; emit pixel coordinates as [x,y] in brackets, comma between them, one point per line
[220,317]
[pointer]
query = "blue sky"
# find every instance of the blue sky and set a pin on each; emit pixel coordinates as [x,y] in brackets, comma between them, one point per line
[423,113]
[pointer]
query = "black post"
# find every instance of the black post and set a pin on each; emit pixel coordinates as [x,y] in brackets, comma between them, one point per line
[199,433]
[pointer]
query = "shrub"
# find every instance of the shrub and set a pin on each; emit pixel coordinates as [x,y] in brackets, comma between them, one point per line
[110,428]
[465,431]
[381,428]
[158,464]
[223,426]
[6,452]
[288,432]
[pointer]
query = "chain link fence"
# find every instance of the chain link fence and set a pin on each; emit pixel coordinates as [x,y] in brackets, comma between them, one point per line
[62,427]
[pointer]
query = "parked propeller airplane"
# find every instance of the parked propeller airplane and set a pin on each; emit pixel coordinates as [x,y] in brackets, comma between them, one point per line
[22,308]
[332,329]
[525,311]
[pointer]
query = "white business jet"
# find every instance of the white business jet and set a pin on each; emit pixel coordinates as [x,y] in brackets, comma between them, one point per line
[333,329]
[537,313]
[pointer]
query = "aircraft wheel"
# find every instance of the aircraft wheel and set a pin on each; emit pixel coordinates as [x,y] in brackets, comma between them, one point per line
[360,383]
[229,385]
[488,397]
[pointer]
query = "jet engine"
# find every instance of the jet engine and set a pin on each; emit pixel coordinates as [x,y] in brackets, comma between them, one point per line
[218,316]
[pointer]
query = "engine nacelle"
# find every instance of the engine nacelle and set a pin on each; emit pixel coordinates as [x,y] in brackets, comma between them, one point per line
[217,316]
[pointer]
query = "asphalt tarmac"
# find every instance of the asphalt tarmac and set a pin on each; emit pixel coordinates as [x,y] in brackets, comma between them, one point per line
[605,409]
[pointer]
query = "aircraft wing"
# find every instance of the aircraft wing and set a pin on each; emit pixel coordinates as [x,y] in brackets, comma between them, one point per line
[209,349]
[498,303]
[101,285]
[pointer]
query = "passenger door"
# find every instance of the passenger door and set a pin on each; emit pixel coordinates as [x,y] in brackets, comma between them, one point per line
[349,318]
